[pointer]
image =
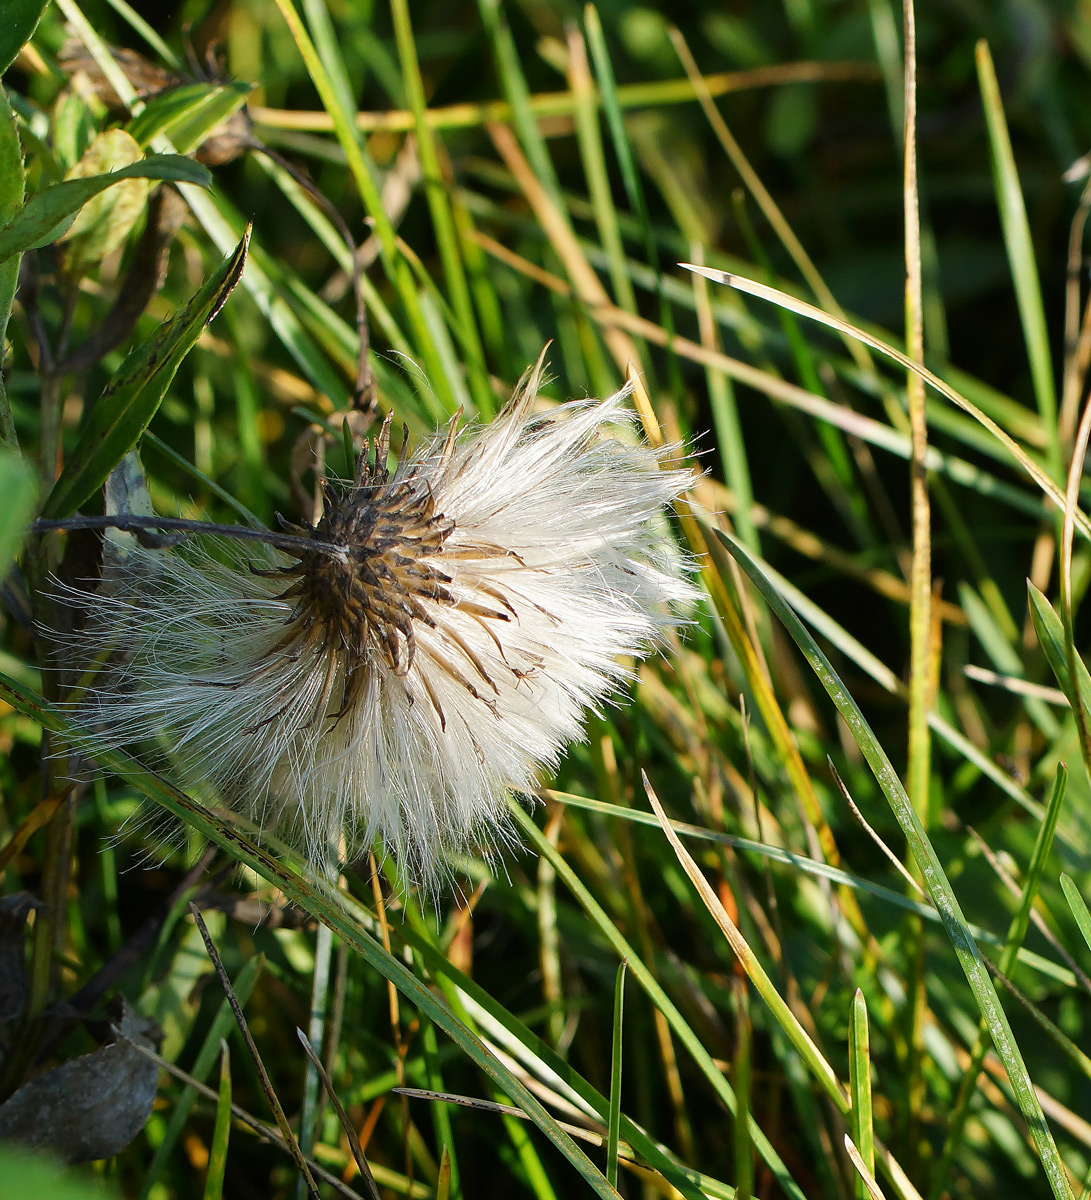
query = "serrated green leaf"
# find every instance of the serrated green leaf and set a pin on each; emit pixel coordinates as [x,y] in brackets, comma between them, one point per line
[46,216]
[188,114]
[21,18]
[19,487]
[131,399]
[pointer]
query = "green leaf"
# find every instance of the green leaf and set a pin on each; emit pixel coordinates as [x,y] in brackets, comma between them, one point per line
[132,397]
[29,1176]
[1020,247]
[188,114]
[1049,630]
[21,18]
[46,216]
[221,1131]
[613,1125]
[860,1088]
[104,222]
[19,487]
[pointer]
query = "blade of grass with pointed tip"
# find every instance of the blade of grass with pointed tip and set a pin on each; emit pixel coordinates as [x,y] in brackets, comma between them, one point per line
[221,1131]
[613,1125]
[1078,906]
[1049,629]
[47,213]
[932,872]
[322,905]
[222,1024]
[863,1133]
[132,397]
[1021,258]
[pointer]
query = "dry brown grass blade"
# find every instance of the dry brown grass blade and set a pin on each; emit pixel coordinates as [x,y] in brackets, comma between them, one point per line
[587,284]
[559,105]
[342,1116]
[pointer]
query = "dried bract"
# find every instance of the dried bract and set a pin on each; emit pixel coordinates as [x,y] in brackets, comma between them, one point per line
[439,645]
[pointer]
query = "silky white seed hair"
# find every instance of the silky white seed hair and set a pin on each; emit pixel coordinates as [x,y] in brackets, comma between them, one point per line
[479,601]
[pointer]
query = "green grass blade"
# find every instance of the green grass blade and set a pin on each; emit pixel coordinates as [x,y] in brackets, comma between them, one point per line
[863,1133]
[221,1131]
[742,1146]
[1050,631]
[443,221]
[1078,906]
[1021,259]
[932,872]
[1016,933]
[613,1126]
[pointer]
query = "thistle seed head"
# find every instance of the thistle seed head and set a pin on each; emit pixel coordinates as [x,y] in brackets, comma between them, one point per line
[366,597]
[436,649]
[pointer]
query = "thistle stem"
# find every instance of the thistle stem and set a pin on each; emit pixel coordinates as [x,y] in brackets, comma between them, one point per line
[129,523]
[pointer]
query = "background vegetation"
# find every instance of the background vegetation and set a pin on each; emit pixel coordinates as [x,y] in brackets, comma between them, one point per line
[532,171]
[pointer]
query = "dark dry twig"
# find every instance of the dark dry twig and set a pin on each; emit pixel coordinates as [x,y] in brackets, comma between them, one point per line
[266,1132]
[263,1074]
[342,1116]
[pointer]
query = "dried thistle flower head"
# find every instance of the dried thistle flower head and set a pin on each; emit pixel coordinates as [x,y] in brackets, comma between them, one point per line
[440,643]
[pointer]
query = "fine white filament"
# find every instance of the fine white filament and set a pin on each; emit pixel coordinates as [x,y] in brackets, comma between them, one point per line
[558,566]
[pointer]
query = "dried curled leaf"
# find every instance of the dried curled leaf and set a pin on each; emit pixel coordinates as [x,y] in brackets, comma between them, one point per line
[89,1107]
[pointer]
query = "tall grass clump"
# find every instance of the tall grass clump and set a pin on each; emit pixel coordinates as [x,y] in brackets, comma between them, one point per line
[802,912]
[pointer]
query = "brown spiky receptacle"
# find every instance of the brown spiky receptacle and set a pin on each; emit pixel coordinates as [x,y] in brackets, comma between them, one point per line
[437,647]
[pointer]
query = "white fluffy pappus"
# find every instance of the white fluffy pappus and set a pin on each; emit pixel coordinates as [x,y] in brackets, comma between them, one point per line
[440,645]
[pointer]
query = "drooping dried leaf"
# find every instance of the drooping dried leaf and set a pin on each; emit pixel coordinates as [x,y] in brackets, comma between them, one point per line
[90,1107]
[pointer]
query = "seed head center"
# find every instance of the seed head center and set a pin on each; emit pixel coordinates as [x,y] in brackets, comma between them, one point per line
[368,598]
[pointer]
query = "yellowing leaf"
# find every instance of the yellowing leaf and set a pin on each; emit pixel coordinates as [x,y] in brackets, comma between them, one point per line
[106,219]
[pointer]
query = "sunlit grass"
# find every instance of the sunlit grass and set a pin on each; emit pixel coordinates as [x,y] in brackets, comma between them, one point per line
[704,976]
